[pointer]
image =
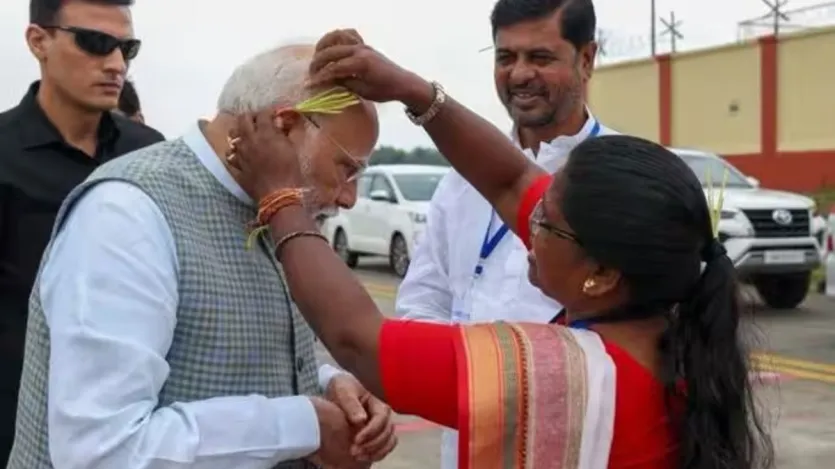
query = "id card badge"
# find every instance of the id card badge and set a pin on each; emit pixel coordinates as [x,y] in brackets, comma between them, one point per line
[458,314]
[462,311]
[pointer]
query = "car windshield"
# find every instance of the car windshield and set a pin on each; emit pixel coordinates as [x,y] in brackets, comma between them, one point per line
[716,167]
[418,187]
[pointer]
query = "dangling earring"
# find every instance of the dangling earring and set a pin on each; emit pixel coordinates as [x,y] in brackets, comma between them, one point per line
[588,285]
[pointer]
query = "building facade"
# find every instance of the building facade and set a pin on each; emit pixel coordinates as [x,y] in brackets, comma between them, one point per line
[768,105]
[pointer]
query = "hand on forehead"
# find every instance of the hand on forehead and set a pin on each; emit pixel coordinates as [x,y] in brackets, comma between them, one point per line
[343,37]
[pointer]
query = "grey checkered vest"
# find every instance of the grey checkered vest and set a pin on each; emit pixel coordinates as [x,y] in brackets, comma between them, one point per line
[237,331]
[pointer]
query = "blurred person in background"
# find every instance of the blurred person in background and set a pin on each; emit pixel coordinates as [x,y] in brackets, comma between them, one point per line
[59,133]
[469,267]
[129,103]
[161,334]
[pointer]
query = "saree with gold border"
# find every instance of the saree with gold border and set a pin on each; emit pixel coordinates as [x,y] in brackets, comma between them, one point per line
[534,396]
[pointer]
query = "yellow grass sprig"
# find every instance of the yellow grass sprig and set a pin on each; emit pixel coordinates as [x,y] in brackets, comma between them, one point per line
[332,101]
[716,201]
[254,233]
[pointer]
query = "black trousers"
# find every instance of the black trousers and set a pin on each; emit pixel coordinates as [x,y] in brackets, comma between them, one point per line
[8,410]
[12,333]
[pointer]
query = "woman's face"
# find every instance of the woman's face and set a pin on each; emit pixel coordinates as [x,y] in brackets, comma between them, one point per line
[557,263]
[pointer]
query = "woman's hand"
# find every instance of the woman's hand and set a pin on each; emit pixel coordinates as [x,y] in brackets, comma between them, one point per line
[263,156]
[343,58]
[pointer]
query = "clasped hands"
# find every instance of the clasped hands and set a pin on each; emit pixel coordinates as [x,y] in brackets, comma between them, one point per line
[356,428]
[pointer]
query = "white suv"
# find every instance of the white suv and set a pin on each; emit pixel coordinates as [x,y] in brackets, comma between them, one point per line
[390,214]
[829,258]
[768,234]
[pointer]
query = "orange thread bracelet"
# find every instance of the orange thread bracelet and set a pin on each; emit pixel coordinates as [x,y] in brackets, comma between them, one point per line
[268,207]
[271,204]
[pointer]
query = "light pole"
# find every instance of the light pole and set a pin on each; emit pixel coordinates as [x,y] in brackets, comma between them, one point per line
[652,27]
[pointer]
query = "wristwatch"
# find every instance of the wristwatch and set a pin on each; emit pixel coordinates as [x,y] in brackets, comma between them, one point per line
[437,102]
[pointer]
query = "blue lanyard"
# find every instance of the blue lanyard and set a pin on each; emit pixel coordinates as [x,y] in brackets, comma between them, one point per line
[585,324]
[581,324]
[576,324]
[488,245]
[594,130]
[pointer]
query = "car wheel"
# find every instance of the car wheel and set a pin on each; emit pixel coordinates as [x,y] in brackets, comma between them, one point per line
[340,245]
[783,291]
[399,255]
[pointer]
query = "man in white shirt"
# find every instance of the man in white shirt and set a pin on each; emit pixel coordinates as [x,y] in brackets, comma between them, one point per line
[467,267]
[159,337]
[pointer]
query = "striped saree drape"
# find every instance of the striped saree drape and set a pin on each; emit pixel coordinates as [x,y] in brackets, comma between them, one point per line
[534,396]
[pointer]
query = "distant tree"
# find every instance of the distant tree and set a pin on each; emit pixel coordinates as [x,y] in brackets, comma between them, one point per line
[419,155]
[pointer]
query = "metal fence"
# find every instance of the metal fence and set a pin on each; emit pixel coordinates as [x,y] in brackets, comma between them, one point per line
[789,21]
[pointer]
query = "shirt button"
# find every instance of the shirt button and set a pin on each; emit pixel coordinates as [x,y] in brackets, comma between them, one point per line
[299,364]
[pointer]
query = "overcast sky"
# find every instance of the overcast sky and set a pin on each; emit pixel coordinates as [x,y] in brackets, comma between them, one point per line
[190,46]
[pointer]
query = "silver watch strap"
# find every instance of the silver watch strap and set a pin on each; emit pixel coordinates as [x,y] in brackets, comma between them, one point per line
[437,102]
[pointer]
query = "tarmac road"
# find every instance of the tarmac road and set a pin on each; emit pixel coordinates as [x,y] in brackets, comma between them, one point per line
[795,355]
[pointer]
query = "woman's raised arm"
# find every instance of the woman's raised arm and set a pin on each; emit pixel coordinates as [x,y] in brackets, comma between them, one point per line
[480,152]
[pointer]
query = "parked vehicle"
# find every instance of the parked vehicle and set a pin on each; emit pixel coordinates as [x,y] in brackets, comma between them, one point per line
[819,231]
[829,258]
[389,217]
[768,234]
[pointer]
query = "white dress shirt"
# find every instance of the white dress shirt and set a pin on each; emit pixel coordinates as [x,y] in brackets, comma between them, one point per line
[109,294]
[440,285]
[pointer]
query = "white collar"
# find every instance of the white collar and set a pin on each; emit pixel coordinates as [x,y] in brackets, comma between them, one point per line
[197,142]
[564,141]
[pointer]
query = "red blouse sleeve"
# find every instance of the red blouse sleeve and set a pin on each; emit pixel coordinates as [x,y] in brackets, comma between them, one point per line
[418,369]
[531,197]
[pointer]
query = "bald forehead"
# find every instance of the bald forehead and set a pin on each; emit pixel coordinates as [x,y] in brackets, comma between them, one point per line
[356,128]
[363,110]
[362,114]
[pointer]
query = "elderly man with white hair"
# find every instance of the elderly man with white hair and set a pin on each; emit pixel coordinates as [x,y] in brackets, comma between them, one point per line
[159,337]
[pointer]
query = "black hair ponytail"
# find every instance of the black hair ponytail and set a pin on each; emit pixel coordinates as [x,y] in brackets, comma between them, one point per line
[720,426]
[641,210]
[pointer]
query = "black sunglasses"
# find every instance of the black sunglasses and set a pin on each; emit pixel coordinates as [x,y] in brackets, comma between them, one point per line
[537,221]
[101,44]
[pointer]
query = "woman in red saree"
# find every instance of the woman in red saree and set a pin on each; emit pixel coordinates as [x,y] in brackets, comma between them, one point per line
[645,370]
